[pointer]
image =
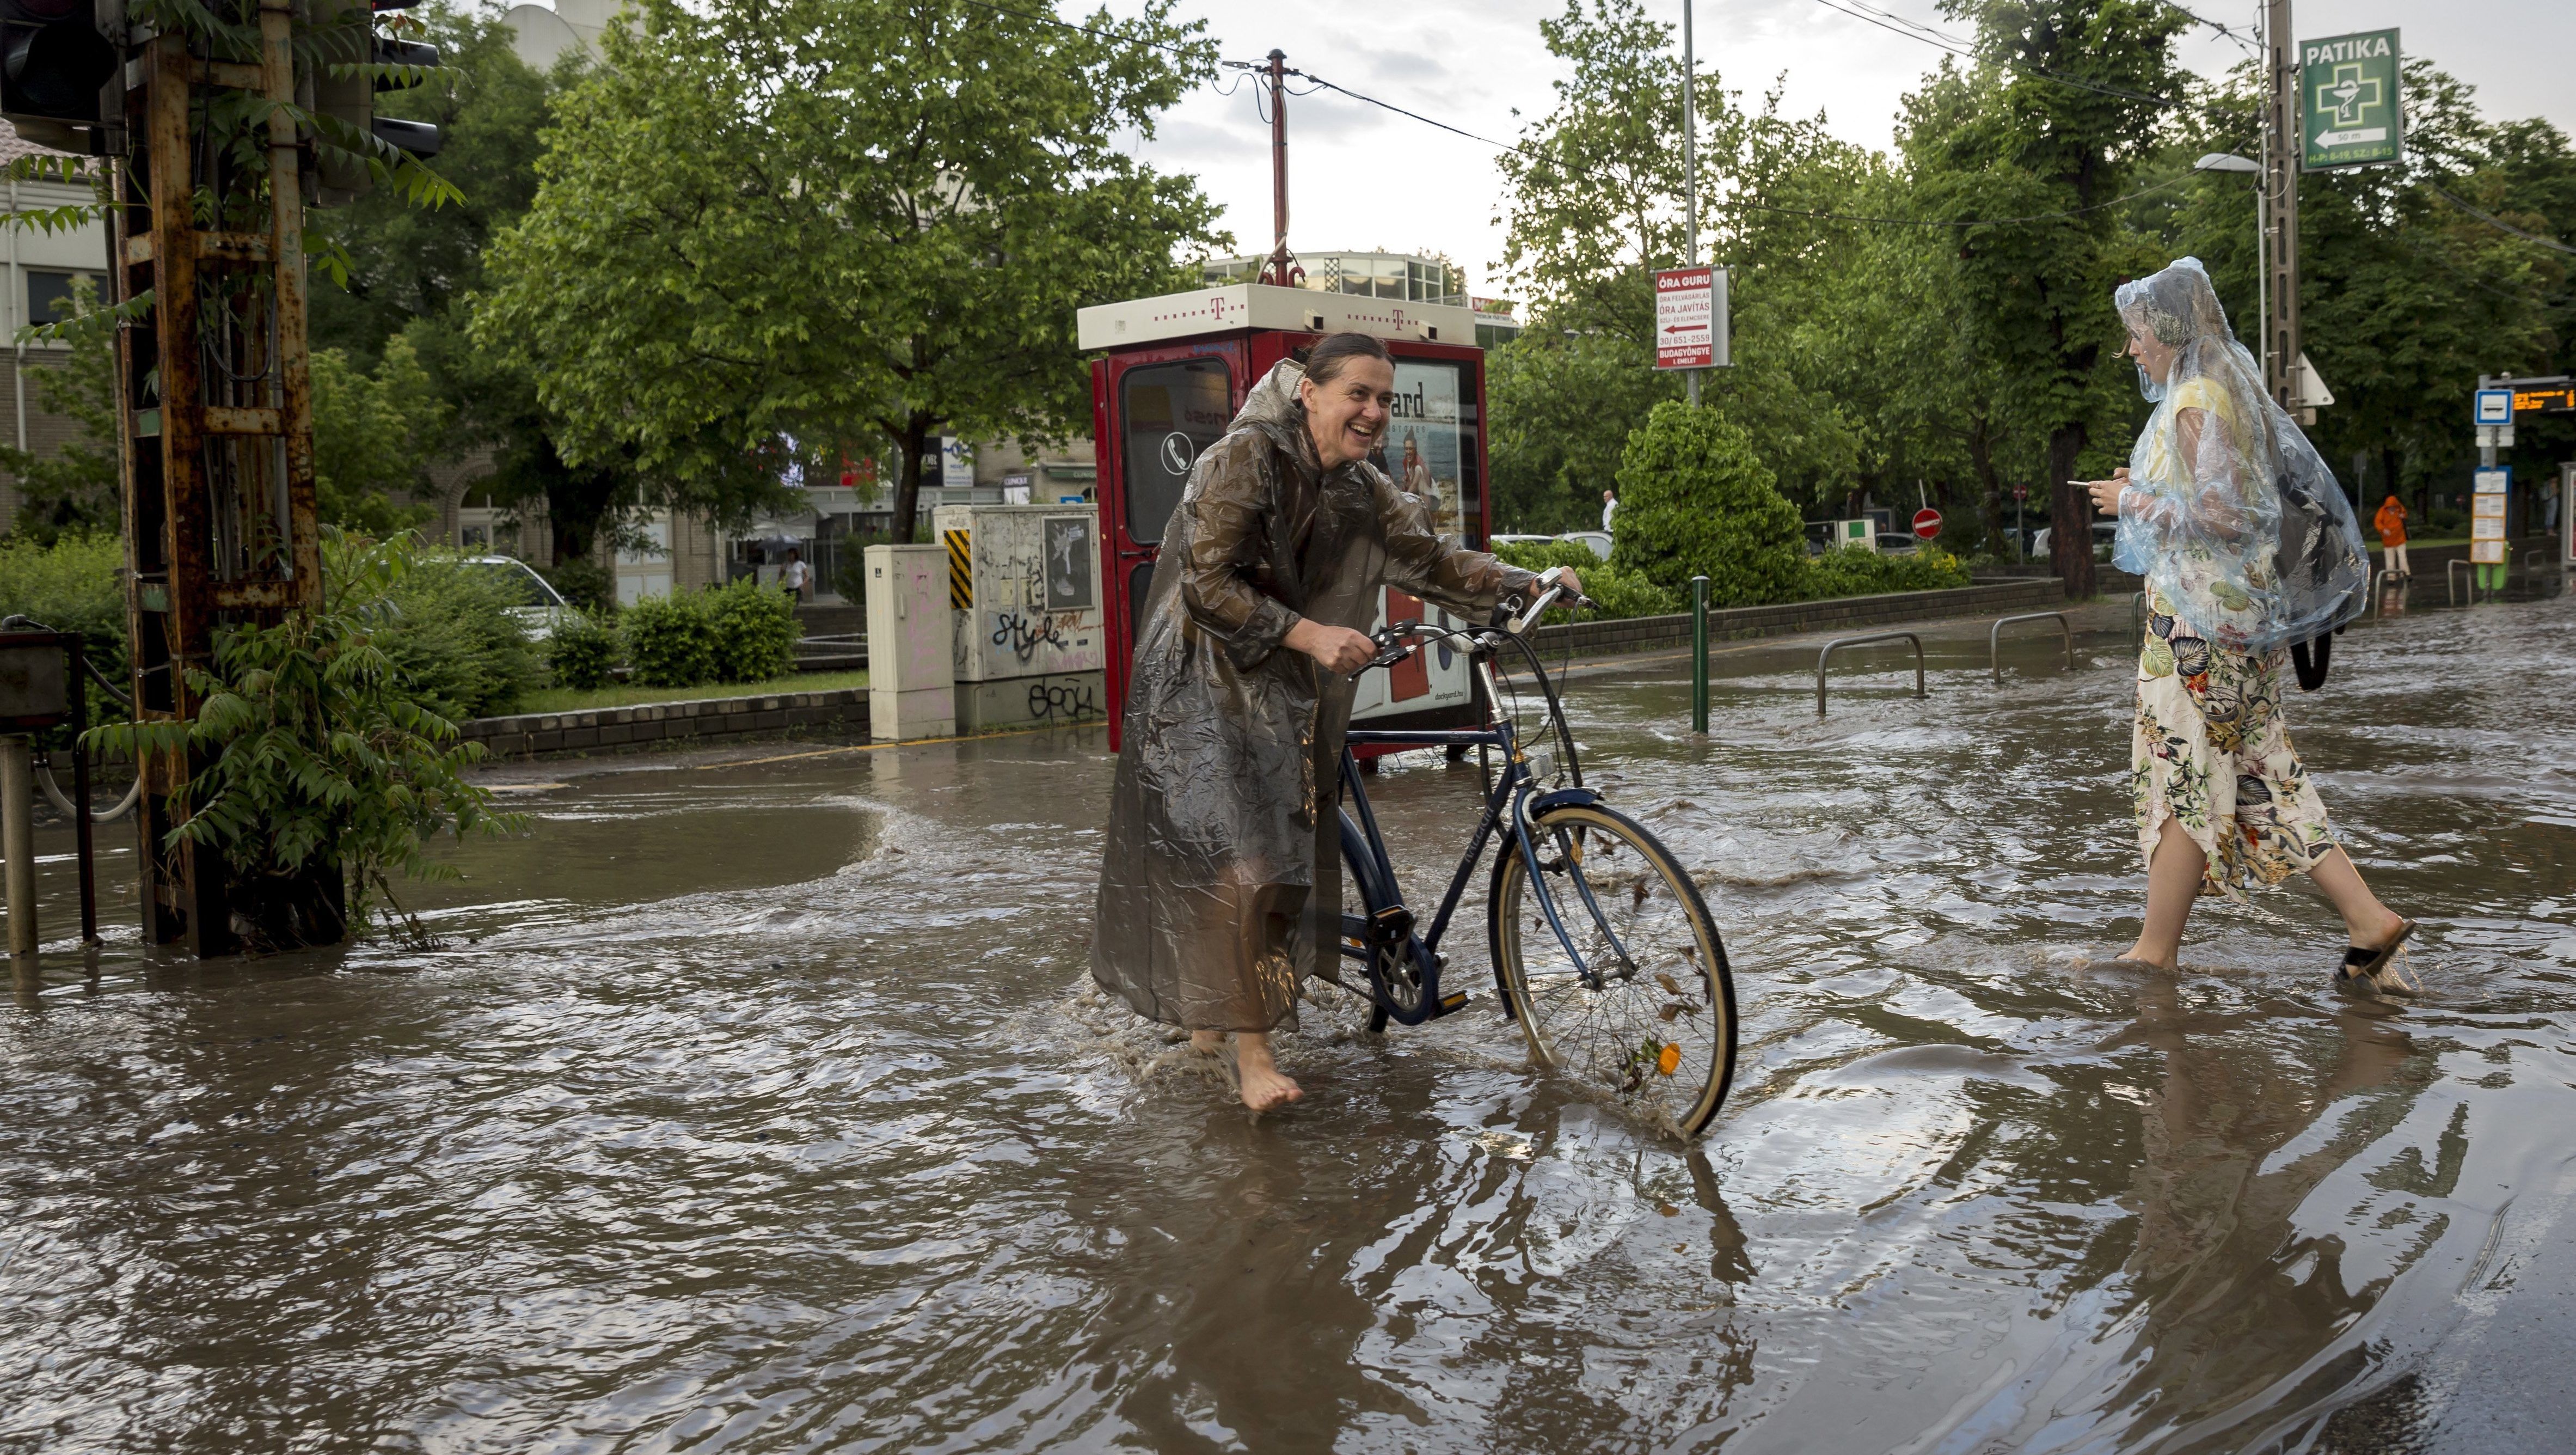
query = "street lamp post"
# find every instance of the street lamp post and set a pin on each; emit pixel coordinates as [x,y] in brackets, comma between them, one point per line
[2230,162]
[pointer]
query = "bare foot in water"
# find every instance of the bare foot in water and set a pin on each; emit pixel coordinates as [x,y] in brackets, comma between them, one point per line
[1210,1043]
[1264,1089]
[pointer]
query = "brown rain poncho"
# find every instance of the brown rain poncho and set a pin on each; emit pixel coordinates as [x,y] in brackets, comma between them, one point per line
[1221,885]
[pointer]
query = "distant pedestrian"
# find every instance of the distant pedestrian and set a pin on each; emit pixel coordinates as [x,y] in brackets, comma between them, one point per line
[1609,507]
[2248,545]
[795,574]
[2391,522]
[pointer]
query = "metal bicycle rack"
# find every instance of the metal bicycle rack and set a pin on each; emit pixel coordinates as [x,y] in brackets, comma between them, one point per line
[2451,583]
[1994,640]
[1862,642]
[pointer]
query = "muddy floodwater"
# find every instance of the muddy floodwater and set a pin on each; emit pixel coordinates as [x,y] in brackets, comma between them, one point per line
[763,1106]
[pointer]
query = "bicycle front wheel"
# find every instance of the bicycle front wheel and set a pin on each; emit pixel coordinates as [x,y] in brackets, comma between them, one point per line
[1632,998]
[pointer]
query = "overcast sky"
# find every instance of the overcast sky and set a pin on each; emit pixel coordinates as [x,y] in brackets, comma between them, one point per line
[1363,178]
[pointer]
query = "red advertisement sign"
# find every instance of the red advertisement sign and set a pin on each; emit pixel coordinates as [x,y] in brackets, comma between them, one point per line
[1686,321]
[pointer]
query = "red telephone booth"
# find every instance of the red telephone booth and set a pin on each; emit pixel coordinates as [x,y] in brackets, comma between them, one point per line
[1172,373]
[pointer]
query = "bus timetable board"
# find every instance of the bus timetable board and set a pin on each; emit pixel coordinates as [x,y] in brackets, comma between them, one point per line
[1172,374]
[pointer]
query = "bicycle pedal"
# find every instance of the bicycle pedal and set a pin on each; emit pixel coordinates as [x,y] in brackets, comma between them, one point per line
[1454,1000]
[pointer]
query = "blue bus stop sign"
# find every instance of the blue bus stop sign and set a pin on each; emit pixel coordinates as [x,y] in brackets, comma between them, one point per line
[2495,406]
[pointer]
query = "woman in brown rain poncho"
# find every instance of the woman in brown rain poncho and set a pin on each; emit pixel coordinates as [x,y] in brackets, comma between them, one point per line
[1220,889]
[2247,545]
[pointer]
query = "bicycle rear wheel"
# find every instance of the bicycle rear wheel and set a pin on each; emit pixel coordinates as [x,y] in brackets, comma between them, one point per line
[1643,1010]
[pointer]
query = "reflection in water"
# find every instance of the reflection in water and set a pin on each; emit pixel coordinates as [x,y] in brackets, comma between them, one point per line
[764,1108]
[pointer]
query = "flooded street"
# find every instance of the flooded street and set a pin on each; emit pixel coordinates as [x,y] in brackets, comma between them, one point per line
[764,1106]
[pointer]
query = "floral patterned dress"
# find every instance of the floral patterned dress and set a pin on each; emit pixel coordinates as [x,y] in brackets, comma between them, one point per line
[2212,752]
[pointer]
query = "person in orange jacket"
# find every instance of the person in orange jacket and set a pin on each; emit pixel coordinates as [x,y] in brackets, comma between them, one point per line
[2391,521]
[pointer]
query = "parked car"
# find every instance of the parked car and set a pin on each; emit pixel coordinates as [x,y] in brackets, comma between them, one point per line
[536,606]
[1898,543]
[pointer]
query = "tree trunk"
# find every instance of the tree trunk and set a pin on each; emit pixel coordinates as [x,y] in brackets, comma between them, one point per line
[2070,514]
[912,440]
[1990,486]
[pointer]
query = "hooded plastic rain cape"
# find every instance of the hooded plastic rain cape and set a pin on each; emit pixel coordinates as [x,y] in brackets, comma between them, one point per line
[2230,515]
[1220,886]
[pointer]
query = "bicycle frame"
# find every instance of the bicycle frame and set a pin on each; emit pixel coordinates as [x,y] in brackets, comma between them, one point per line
[1394,927]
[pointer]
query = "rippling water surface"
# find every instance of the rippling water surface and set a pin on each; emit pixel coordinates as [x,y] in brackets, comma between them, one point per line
[764,1107]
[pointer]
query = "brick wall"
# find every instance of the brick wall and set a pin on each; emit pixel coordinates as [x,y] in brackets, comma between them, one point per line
[609,728]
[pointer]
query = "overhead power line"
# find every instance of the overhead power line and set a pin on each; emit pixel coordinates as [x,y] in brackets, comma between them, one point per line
[1737,203]
[2497,222]
[1966,49]
[1318,83]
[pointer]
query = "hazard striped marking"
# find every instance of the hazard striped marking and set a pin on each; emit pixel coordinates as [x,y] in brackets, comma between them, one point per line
[961,572]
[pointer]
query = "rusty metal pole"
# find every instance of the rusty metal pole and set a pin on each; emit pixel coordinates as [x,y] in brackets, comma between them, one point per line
[218,473]
[1275,270]
[18,839]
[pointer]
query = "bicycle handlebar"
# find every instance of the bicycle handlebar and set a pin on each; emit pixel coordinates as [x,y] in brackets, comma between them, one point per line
[1402,639]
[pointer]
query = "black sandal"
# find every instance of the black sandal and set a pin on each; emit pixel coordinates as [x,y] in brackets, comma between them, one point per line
[2363,967]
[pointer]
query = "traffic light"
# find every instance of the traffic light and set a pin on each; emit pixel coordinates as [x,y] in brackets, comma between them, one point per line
[351,40]
[53,62]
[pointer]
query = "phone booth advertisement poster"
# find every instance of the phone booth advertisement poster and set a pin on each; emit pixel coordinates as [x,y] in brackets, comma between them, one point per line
[1421,450]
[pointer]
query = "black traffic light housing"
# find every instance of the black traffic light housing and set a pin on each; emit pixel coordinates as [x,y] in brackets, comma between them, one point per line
[347,94]
[53,63]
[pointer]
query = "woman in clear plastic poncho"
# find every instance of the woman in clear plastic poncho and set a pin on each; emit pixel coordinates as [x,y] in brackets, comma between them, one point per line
[2247,545]
[1220,886]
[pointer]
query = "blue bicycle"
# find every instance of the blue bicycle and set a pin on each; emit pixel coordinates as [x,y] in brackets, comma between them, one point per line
[1603,949]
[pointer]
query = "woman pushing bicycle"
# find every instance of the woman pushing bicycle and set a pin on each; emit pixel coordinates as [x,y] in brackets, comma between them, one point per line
[1220,886]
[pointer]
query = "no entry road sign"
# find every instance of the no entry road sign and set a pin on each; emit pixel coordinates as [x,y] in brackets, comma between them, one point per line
[1927,522]
[1690,318]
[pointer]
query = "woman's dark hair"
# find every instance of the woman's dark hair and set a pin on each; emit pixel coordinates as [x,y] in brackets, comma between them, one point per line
[1335,351]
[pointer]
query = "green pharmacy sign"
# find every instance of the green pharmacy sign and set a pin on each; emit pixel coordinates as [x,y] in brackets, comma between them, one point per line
[2348,105]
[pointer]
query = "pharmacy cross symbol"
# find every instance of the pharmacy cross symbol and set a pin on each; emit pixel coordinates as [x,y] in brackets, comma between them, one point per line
[2350,93]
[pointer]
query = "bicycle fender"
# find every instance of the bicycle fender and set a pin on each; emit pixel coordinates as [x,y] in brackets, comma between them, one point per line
[1561,798]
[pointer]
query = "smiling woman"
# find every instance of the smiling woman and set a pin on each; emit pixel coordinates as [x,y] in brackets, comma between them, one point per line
[1221,881]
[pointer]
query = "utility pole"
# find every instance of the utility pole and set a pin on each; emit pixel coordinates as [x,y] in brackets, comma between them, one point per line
[1690,174]
[1280,269]
[2282,146]
[218,419]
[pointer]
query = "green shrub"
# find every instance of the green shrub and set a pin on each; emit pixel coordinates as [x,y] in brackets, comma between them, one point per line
[450,640]
[1622,594]
[1693,500]
[1859,571]
[317,762]
[73,585]
[585,651]
[671,640]
[755,631]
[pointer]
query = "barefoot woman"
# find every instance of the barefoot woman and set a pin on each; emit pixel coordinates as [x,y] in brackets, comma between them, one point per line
[1220,890]
[2247,545]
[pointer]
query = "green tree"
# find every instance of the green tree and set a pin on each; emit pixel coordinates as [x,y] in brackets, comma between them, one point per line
[1595,205]
[373,435]
[2405,299]
[2051,125]
[769,226]
[74,487]
[413,276]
